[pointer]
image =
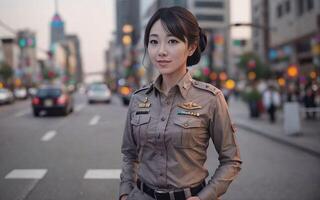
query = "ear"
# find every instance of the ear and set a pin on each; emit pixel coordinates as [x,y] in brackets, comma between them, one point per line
[191,49]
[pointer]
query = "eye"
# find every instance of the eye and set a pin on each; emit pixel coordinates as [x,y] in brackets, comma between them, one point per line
[173,41]
[153,42]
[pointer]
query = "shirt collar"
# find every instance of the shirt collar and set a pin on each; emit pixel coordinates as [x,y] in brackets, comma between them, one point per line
[183,84]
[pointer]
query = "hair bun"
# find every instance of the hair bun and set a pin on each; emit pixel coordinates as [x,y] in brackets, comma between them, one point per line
[202,40]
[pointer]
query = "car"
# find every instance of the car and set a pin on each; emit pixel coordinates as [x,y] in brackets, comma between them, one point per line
[6,96]
[20,93]
[52,99]
[98,92]
[32,91]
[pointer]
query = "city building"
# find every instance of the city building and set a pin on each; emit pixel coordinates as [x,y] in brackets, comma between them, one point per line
[168,3]
[57,29]
[127,36]
[76,54]
[128,13]
[10,52]
[295,35]
[28,69]
[214,19]
[260,28]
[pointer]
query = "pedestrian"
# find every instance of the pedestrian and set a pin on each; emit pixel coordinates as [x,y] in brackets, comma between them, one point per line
[271,101]
[309,102]
[170,122]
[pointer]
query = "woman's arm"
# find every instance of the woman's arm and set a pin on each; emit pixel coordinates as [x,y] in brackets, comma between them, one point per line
[223,136]
[130,161]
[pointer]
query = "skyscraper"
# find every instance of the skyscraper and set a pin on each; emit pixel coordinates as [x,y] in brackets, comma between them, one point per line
[128,12]
[57,27]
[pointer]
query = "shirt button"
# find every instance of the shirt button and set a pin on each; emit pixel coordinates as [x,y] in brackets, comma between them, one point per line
[186,124]
[163,118]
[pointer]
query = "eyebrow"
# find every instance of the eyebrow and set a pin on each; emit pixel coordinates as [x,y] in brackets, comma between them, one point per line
[156,35]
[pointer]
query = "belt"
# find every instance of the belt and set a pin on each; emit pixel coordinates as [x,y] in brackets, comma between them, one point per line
[164,195]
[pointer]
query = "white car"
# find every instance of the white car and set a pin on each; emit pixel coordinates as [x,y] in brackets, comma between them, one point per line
[98,92]
[6,96]
[20,93]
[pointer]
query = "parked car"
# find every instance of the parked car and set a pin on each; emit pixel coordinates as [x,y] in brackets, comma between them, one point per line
[98,92]
[52,99]
[32,91]
[20,93]
[6,96]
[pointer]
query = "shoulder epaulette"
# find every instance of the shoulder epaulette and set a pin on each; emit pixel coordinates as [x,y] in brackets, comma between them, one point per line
[147,87]
[205,86]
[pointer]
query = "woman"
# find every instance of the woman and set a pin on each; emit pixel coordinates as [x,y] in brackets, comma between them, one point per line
[170,122]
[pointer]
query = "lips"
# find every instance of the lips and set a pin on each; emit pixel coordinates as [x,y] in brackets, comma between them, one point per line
[163,62]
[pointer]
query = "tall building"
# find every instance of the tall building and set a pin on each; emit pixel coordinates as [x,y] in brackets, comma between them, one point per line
[260,33]
[77,55]
[28,69]
[57,27]
[214,18]
[295,35]
[168,3]
[128,13]
[10,52]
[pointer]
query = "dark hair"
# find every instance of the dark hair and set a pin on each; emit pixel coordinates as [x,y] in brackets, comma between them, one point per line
[182,24]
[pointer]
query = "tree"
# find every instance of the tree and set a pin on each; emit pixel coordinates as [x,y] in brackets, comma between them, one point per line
[6,72]
[250,62]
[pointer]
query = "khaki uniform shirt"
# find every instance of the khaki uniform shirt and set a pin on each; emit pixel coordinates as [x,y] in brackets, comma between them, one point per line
[166,138]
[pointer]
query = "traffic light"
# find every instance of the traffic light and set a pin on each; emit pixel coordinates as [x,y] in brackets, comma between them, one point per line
[22,42]
[26,39]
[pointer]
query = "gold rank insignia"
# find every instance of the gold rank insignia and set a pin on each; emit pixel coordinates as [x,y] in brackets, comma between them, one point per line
[183,112]
[190,106]
[145,103]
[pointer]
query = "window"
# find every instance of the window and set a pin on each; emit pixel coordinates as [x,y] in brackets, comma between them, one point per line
[287,6]
[206,4]
[218,18]
[279,11]
[310,5]
[300,7]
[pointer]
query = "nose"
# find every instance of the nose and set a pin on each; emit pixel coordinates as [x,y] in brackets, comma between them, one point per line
[162,50]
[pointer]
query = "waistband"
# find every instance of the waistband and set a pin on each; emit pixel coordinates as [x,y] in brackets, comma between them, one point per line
[172,195]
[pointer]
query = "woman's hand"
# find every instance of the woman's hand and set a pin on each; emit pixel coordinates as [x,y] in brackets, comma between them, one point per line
[124,197]
[193,198]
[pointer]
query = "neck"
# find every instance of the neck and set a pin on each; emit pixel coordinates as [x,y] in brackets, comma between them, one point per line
[169,81]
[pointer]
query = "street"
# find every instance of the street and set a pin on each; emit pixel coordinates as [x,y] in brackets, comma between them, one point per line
[78,157]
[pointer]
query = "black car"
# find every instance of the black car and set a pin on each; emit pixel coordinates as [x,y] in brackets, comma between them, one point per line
[52,99]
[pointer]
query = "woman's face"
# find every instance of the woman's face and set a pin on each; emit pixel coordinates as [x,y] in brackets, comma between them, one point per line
[167,53]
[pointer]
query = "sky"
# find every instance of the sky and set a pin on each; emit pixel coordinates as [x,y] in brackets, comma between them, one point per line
[92,20]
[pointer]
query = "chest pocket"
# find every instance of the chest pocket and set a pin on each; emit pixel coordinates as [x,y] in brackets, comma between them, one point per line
[140,124]
[190,132]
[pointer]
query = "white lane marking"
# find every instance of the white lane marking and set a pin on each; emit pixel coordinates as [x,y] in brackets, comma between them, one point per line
[26,174]
[102,174]
[79,107]
[23,112]
[48,136]
[94,120]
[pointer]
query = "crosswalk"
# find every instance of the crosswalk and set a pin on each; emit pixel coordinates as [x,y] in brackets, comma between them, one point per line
[41,173]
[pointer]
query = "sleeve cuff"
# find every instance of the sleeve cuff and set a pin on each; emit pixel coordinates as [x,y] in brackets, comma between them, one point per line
[207,194]
[125,189]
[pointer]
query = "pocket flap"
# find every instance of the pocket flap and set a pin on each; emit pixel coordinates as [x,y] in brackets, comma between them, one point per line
[138,120]
[188,122]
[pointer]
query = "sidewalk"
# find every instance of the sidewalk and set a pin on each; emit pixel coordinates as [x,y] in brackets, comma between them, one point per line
[308,141]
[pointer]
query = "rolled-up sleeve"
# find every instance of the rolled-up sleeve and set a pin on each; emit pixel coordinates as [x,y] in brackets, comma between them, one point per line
[130,161]
[223,136]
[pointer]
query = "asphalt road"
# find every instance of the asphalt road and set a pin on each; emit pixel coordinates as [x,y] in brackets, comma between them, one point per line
[77,157]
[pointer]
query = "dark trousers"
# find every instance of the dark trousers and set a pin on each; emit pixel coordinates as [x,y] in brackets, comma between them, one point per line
[272,113]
